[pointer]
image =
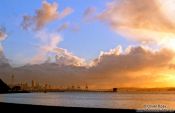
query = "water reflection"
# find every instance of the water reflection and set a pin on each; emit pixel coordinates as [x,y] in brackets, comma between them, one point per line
[96,100]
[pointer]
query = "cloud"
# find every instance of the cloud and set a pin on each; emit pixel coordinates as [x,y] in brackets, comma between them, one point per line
[134,67]
[68,26]
[43,16]
[48,42]
[139,20]
[3,34]
[64,57]
[89,13]
[138,66]
[67,11]
[63,27]
[3,60]
[27,22]
[146,58]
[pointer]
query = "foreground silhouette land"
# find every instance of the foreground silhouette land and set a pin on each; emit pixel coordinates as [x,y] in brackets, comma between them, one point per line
[4,88]
[23,108]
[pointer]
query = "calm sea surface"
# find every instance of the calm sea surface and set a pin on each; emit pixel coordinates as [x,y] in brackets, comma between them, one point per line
[96,100]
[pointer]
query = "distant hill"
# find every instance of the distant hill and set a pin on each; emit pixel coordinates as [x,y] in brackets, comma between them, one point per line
[4,88]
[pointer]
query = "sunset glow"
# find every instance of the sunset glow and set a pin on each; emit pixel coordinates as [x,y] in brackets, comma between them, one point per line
[105,44]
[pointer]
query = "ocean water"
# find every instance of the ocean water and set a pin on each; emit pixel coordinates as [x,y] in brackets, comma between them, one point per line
[95,100]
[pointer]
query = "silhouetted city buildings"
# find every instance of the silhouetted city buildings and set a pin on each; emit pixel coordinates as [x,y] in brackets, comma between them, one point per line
[36,86]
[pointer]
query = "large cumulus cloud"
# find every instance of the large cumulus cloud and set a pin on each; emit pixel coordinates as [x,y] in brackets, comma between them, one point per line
[140,20]
[130,68]
[3,60]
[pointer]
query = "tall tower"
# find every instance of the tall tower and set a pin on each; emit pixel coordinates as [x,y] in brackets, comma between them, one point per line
[12,79]
[86,87]
[33,84]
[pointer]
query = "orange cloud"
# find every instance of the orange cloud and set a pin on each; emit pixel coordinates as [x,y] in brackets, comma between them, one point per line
[133,67]
[3,34]
[46,14]
[3,60]
[136,66]
[140,20]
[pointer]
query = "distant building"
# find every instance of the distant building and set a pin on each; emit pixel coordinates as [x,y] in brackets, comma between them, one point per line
[16,88]
[12,80]
[33,84]
[86,87]
[46,86]
[73,87]
[78,87]
[114,90]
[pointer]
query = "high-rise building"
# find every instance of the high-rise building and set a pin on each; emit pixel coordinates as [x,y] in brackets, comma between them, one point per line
[33,84]
[86,87]
[12,80]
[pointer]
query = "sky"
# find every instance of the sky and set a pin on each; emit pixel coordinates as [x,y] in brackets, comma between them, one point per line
[87,41]
[109,43]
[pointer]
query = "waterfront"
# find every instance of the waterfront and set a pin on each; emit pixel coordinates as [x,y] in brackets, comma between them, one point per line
[94,99]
